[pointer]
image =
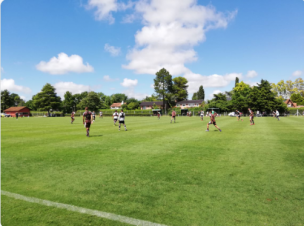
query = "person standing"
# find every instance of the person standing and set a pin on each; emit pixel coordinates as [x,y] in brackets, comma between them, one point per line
[158,115]
[87,118]
[212,121]
[277,115]
[202,115]
[122,120]
[251,115]
[72,117]
[93,114]
[173,116]
[16,115]
[100,114]
[115,117]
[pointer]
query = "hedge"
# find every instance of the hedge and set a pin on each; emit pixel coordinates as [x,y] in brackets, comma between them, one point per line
[293,111]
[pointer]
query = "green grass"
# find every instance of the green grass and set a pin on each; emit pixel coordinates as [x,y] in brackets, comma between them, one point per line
[174,174]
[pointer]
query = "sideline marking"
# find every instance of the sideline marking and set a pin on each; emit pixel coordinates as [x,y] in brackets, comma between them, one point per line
[97,213]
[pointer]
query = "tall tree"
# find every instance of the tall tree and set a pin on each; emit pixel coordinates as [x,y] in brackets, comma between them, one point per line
[163,85]
[30,105]
[194,96]
[69,102]
[180,88]
[201,93]
[119,97]
[236,81]
[92,101]
[47,99]
[297,98]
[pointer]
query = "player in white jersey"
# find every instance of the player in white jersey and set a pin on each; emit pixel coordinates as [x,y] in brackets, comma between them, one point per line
[122,119]
[93,114]
[115,117]
[202,115]
[100,114]
[277,114]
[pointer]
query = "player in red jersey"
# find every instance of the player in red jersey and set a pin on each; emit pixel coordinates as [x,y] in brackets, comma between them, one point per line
[158,115]
[173,116]
[87,118]
[212,121]
[238,115]
[72,117]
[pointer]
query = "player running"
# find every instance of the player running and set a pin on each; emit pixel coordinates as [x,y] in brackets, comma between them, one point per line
[72,117]
[115,117]
[251,115]
[100,114]
[173,116]
[122,120]
[158,115]
[277,115]
[87,118]
[93,114]
[202,115]
[212,121]
[238,115]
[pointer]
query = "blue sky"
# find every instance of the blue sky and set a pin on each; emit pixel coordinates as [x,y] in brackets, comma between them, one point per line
[118,46]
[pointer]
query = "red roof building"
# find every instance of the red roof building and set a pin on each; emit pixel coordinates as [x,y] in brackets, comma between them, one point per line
[22,111]
[117,105]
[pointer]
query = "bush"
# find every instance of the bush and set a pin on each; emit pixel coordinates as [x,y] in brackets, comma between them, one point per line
[293,111]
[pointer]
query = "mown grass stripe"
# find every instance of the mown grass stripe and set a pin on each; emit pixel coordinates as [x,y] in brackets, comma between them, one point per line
[110,216]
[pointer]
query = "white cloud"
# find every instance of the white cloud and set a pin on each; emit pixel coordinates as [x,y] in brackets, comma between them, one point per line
[10,85]
[152,86]
[171,30]
[1,1]
[129,18]
[23,98]
[251,74]
[107,78]
[129,82]
[214,92]
[297,73]
[62,87]
[251,83]
[215,80]
[104,8]
[64,64]
[114,51]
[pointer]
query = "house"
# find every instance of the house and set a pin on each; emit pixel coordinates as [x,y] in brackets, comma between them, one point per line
[150,105]
[22,111]
[291,104]
[189,103]
[117,105]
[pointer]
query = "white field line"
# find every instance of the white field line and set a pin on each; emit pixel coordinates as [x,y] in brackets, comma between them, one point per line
[97,213]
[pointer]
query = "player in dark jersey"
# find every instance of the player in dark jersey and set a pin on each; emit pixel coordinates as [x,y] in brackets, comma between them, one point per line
[173,116]
[251,115]
[212,121]
[115,117]
[122,120]
[87,118]
[238,115]
[72,117]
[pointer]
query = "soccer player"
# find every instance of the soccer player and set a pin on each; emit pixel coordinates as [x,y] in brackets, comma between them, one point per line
[238,115]
[87,118]
[251,115]
[122,120]
[115,117]
[100,114]
[202,115]
[72,117]
[93,114]
[212,121]
[173,116]
[158,115]
[277,115]
[16,115]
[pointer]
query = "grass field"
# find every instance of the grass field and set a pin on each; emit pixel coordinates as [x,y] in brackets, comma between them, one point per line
[172,174]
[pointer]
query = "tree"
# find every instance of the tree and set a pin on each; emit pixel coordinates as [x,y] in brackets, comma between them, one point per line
[92,101]
[201,93]
[133,105]
[180,88]
[297,98]
[194,96]
[30,105]
[163,84]
[69,102]
[118,98]
[150,99]
[47,99]
[236,81]
[241,86]
[6,100]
